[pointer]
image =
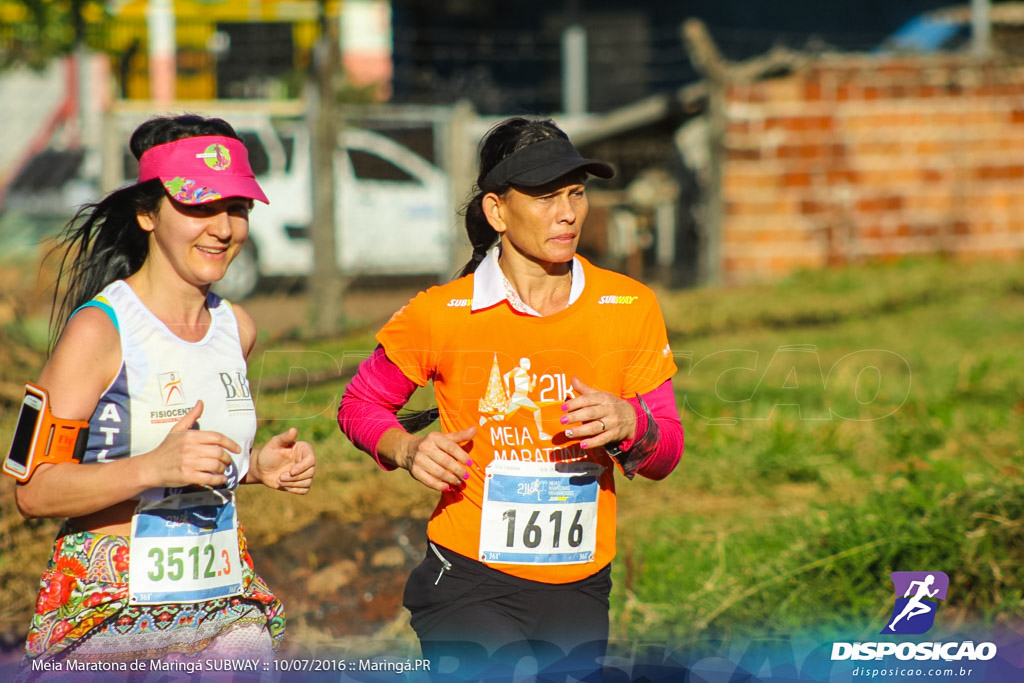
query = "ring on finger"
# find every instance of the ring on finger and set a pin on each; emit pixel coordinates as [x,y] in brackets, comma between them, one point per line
[603,428]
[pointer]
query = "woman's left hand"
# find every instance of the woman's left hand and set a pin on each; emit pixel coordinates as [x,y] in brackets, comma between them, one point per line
[597,418]
[285,464]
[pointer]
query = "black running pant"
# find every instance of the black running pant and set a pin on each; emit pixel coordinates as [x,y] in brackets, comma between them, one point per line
[476,623]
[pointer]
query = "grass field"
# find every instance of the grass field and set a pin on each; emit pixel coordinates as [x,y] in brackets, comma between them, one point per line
[840,425]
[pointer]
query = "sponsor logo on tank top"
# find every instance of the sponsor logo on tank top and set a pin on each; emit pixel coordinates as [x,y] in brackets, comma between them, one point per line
[172,393]
[236,392]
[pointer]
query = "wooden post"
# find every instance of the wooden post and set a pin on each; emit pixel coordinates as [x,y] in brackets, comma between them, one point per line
[461,168]
[574,70]
[709,63]
[328,286]
[981,28]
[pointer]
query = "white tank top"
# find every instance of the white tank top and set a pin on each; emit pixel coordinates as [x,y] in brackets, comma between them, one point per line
[161,378]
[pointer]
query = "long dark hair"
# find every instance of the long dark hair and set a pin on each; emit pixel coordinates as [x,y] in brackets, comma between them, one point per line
[501,141]
[104,242]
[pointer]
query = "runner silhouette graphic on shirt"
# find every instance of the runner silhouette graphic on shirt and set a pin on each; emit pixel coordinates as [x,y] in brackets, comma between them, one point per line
[916,605]
[519,383]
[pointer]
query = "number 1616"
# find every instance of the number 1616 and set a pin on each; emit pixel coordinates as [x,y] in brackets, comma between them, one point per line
[533,533]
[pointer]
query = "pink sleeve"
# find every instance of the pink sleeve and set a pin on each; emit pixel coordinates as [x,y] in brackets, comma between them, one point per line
[658,447]
[371,401]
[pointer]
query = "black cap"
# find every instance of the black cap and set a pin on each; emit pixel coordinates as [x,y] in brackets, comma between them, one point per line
[540,163]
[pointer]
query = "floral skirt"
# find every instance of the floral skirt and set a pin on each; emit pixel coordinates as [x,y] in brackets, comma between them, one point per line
[83,612]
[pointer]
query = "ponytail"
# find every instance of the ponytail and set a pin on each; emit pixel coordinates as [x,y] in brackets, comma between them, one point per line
[481,235]
[102,243]
[415,420]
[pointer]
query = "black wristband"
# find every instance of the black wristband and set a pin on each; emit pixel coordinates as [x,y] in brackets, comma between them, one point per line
[630,460]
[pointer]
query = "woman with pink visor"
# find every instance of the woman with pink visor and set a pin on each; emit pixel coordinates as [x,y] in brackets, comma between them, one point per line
[151,563]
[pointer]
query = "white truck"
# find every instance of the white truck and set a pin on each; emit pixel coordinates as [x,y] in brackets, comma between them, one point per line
[392,213]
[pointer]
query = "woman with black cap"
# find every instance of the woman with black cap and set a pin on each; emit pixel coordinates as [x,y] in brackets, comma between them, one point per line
[549,374]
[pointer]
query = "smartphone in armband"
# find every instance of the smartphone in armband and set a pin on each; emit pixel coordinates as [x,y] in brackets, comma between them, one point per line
[40,437]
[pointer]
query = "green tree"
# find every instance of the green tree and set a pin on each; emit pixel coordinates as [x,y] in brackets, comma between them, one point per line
[46,29]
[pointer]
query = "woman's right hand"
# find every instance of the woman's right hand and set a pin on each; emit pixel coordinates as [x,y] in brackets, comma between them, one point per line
[437,460]
[190,456]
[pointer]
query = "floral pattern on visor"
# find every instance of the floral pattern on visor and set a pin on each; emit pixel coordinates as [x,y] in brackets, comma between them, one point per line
[185,190]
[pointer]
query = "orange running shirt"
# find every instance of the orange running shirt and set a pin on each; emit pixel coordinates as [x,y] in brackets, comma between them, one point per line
[536,505]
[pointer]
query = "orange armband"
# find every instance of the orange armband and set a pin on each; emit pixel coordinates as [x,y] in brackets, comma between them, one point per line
[40,437]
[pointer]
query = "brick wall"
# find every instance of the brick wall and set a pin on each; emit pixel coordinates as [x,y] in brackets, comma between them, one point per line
[858,158]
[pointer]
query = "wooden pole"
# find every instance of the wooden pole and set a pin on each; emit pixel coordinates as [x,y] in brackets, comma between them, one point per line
[709,63]
[328,286]
[461,168]
[981,28]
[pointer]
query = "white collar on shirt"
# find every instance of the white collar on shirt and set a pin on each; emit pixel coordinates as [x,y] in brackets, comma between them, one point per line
[490,286]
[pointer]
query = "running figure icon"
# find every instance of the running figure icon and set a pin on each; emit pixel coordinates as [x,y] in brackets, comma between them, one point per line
[916,605]
[520,384]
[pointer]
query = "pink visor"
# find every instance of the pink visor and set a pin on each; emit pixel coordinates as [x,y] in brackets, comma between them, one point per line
[201,169]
